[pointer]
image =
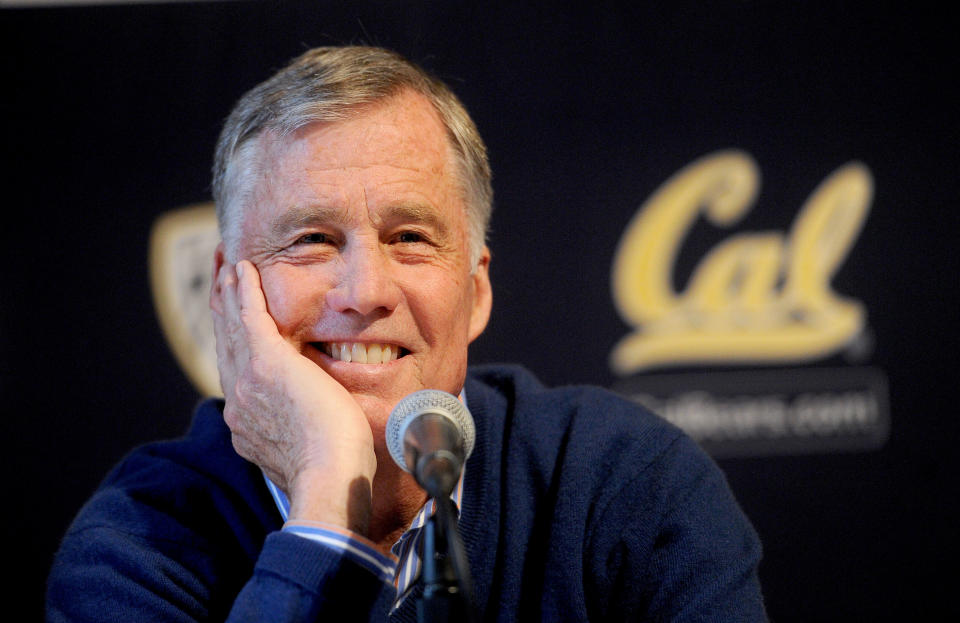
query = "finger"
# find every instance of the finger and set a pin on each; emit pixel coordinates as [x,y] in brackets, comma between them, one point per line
[228,290]
[233,329]
[226,362]
[250,289]
[222,289]
[259,325]
[252,298]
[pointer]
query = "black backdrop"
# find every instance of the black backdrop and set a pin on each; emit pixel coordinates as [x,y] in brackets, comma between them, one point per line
[110,118]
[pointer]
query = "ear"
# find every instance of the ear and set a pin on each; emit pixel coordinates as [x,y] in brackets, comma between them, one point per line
[216,294]
[482,295]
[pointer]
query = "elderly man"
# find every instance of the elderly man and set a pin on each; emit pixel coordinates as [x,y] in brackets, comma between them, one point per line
[353,196]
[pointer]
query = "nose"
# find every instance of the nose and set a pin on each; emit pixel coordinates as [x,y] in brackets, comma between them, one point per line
[365,282]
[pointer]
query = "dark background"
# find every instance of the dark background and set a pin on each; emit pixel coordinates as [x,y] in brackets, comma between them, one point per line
[110,118]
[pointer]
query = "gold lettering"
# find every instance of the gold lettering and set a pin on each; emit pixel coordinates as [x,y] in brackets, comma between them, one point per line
[723,185]
[755,297]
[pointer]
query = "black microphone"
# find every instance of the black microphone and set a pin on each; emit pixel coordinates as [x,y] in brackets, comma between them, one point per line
[430,434]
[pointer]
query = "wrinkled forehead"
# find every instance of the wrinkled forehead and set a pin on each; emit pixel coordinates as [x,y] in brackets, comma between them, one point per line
[355,147]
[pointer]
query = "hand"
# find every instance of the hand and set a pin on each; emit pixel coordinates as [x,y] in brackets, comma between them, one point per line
[285,413]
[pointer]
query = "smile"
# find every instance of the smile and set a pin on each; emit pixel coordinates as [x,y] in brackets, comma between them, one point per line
[358,352]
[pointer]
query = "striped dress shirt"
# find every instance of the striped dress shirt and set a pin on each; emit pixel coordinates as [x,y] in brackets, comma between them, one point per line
[401,568]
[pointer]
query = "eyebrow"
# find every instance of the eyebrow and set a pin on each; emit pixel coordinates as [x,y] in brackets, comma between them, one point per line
[300,217]
[412,213]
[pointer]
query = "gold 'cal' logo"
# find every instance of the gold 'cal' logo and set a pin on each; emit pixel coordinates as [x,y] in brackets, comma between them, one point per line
[755,297]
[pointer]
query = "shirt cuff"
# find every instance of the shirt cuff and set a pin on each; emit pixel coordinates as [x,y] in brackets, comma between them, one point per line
[350,544]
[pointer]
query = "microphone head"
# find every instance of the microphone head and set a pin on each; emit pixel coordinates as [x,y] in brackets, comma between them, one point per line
[425,401]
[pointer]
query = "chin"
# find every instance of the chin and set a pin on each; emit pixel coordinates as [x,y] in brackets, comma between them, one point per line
[377,409]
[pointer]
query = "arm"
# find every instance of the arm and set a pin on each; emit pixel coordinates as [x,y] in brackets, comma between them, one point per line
[310,438]
[105,574]
[298,580]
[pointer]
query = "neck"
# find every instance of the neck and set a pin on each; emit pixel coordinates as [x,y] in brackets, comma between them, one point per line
[397,498]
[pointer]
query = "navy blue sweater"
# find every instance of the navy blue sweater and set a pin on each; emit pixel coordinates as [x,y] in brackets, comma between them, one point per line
[578,505]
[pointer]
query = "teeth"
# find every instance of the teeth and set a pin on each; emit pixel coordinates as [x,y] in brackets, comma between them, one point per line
[357,352]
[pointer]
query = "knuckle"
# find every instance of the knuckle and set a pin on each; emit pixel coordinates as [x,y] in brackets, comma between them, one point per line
[242,387]
[241,447]
[261,368]
[231,416]
[226,277]
[247,316]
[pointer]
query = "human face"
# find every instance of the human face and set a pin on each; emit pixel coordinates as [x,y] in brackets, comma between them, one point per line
[358,229]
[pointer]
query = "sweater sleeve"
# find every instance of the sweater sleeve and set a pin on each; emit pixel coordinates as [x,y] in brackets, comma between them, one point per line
[104,575]
[298,580]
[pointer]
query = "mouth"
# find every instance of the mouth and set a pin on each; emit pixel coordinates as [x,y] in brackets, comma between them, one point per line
[361,352]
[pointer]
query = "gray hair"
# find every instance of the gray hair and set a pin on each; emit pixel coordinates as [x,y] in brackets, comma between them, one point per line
[330,84]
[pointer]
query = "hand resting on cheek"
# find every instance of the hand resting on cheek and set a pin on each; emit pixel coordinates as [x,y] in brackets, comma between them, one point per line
[285,413]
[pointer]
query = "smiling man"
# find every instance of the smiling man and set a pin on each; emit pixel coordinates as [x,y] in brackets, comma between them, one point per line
[358,233]
[353,196]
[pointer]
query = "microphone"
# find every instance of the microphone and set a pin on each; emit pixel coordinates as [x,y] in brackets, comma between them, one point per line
[430,434]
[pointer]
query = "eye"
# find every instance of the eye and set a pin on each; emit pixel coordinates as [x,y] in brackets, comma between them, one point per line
[315,238]
[410,237]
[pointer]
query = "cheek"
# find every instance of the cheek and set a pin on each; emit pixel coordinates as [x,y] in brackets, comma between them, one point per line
[290,296]
[442,307]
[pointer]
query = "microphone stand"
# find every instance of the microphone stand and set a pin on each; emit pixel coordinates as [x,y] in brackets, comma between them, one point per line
[433,452]
[447,592]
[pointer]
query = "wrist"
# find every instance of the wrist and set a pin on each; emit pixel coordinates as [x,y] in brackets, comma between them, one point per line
[345,502]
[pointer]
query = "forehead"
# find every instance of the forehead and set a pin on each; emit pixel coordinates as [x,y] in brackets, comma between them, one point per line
[390,146]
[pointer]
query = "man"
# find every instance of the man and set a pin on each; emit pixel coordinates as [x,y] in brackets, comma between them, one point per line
[353,196]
